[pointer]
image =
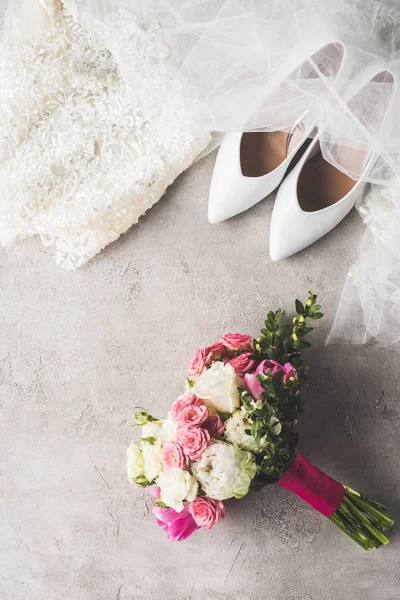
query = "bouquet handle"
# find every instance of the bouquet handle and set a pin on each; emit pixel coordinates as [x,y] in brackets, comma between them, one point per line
[359,517]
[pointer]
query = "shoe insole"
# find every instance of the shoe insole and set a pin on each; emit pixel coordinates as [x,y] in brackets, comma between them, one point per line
[320,184]
[262,152]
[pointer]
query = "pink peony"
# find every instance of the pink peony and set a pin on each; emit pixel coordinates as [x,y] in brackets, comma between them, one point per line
[288,371]
[201,360]
[206,512]
[173,456]
[250,379]
[192,416]
[214,426]
[242,363]
[194,441]
[154,491]
[179,405]
[179,526]
[237,341]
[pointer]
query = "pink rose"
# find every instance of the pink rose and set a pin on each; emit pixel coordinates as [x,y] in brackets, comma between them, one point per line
[214,426]
[206,512]
[200,362]
[288,371]
[242,363]
[237,341]
[179,526]
[192,416]
[194,441]
[250,379]
[173,456]
[179,405]
[215,351]
[154,491]
[204,357]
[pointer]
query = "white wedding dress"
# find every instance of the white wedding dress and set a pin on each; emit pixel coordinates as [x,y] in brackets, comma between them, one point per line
[105,102]
[82,157]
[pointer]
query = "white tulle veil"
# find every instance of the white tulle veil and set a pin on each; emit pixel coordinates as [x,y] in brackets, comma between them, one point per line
[226,65]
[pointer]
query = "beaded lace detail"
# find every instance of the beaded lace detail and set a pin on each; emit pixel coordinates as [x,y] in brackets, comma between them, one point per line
[81,156]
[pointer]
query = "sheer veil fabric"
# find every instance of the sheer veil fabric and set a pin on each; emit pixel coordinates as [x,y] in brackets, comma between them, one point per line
[201,66]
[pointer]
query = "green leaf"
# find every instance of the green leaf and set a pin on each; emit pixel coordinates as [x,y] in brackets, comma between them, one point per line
[266,411]
[224,416]
[270,318]
[277,378]
[255,426]
[158,502]
[279,315]
[299,307]
[316,316]
[142,481]
[149,440]
[301,344]
[314,309]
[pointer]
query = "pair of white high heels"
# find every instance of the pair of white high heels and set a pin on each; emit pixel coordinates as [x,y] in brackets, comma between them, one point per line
[315,196]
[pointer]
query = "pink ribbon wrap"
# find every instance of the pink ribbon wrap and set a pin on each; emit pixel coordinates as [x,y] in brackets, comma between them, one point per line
[312,485]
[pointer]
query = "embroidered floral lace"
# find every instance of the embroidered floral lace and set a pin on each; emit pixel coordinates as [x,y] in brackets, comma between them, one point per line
[81,157]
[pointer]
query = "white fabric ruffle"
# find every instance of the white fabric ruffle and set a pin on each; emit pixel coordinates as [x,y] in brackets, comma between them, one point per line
[370,305]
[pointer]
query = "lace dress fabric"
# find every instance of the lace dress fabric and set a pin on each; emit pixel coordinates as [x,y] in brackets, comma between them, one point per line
[82,157]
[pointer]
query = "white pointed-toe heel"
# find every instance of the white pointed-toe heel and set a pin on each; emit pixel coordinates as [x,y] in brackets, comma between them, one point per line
[316,196]
[250,166]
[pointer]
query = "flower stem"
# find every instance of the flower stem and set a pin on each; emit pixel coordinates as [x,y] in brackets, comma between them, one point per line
[377,512]
[361,519]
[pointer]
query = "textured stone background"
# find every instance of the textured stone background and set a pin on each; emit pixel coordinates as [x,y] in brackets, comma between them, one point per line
[78,351]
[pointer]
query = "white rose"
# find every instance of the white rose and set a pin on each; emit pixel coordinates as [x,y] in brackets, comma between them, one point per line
[152,429]
[217,387]
[224,471]
[235,433]
[134,462]
[169,430]
[176,486]
[152,459]
[164,429]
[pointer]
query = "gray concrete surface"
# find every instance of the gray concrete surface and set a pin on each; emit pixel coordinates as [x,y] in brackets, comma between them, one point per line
[78,351]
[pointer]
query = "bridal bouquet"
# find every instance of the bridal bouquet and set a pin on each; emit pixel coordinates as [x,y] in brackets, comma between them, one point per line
[232,432]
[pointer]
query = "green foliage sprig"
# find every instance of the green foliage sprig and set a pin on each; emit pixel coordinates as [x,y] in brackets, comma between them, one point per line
[275,341]
[281,343]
